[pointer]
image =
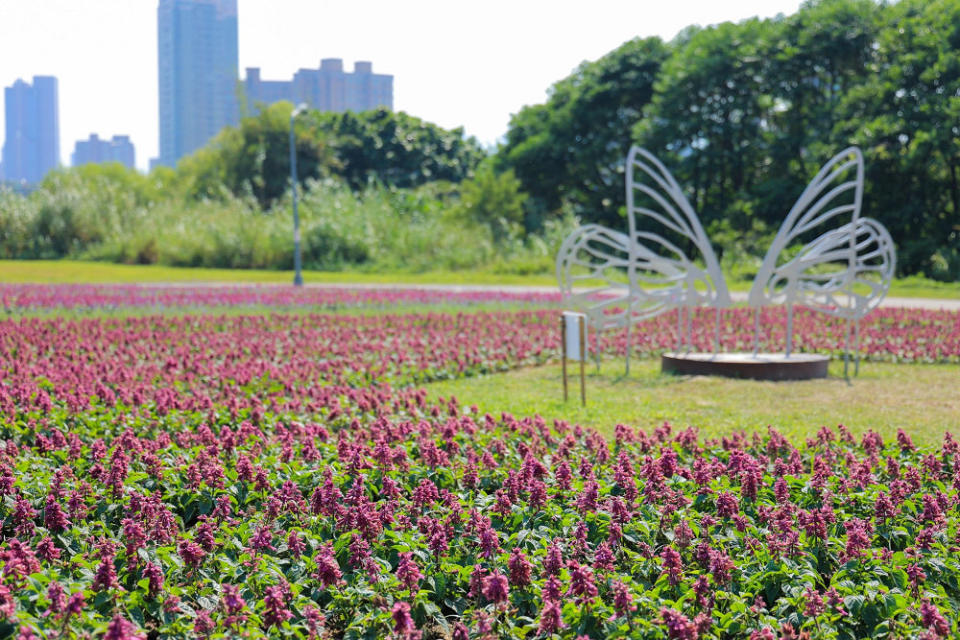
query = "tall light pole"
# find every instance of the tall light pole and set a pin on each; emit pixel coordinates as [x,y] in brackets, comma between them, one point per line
[297,275]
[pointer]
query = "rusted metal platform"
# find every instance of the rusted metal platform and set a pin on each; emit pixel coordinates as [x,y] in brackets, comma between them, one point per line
[761,366]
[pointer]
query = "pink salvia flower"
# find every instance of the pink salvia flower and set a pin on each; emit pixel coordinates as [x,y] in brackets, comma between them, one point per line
[402,622]
[679,627]
[551,618]
[275,602]
[47,550]
[672,565]
[232,600]
[727,504]
[75,604]
[917,576]
[106,576]
[520,568]
[812,603]
[203,623]
[328,570]
[551,589]
[934,620]
[408,572]
[622,598]
[191,552]
[553,563]
[496,588]
[57,597]
[120,629]
[262,539]
[581,583]
[154,575]
[54,518]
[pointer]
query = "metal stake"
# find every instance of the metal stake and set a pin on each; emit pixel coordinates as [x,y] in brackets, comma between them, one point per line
[789,329]
[583,383]
[297,272]
[846,349]
[716,340]
[856,346]
[563,341]
[679,328]
[629,331]
[756,331]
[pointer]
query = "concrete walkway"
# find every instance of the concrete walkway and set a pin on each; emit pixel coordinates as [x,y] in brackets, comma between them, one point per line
[934,304]
[738,296]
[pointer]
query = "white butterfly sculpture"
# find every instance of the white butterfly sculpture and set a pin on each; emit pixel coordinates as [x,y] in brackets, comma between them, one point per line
[845,271]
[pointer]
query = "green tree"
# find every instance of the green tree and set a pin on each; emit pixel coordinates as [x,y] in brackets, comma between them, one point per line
[907,118]
[570,151]
[254,158]
[814,59]
[396,149]
[494,199]
[707,118]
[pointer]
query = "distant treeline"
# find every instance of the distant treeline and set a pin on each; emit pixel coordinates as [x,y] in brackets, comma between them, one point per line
[743,115]
[379,191]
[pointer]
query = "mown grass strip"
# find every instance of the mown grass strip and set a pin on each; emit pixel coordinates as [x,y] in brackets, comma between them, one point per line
[920,399]
[75,271]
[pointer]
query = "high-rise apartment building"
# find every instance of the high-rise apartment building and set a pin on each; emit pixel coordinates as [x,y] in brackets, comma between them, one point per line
[197,47]
[94,150]
[328,88]
[31,145]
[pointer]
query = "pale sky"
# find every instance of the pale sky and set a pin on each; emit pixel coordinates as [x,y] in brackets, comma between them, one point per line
[455,63]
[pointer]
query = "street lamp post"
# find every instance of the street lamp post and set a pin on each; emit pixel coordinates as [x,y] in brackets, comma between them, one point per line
[298,274]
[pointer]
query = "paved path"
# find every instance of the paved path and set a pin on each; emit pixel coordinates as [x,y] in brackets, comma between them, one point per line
[738,296]
[903,303]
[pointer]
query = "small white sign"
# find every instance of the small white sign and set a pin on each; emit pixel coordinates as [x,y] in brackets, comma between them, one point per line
[571,334]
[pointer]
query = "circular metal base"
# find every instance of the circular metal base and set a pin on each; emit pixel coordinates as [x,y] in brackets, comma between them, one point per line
[762,366]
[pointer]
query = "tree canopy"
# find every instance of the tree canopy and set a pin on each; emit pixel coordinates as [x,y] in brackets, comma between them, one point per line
[394,149]
[571,149]
[745,114]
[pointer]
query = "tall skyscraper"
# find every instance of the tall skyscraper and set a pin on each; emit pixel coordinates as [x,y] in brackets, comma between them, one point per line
[31,145]
[94,150]
[197,47]
[328,88]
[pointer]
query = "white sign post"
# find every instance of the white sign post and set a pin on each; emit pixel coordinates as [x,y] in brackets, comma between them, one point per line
[573,331]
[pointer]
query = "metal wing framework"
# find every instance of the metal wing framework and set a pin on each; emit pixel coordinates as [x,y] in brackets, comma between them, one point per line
[845,271]
[590,268]
[662,271]
[857,290]
[825,267]
[640,274]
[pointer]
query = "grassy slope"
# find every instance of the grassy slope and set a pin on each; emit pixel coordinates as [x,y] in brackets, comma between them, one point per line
[884,397]
[64,271]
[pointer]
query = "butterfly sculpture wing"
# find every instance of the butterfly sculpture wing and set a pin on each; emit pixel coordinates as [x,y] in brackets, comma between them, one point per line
[846,270]
[859,289]
[590,268]
[643,273]
[662,270]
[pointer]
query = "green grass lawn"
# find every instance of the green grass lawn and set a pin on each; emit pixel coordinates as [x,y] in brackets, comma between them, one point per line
[74,271]
[920,399]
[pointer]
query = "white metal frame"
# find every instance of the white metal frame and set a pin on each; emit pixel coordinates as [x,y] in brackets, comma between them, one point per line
[844,272]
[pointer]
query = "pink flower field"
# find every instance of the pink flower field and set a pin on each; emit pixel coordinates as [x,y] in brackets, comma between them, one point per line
[32,297]
[282,474]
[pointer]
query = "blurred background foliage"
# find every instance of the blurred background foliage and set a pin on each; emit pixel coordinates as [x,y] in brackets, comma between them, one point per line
[742,114]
